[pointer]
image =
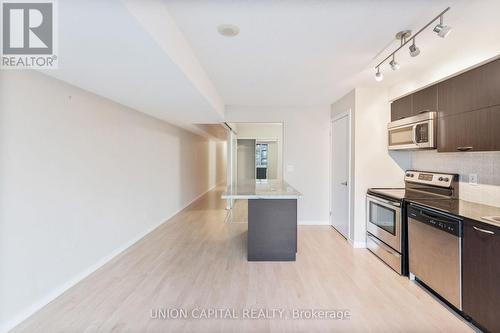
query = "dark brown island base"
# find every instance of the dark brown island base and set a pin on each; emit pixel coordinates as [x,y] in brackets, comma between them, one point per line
[272,218]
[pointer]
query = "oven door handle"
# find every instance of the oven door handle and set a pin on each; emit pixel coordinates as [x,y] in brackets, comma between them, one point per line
[382,245]
[395,204]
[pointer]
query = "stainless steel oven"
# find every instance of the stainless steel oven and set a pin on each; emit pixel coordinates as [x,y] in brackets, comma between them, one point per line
[383,220]
[417,132]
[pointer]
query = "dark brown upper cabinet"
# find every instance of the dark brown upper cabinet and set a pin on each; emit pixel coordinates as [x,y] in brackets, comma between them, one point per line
[473,90]
[422,101]
[401,108]
[481,274]
[425,100]
[458,94]
[470,131]
[489,78]
[468,107]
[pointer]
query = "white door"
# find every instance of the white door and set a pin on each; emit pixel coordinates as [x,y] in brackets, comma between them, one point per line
[340,174]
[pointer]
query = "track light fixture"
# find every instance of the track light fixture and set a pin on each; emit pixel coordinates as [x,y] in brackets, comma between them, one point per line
[379,76]
[405,36]
[441,29]
[414,50]
[394,64]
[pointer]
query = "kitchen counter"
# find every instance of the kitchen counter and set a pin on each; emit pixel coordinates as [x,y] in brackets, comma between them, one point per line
[272,218]
[461,208]
[261,189]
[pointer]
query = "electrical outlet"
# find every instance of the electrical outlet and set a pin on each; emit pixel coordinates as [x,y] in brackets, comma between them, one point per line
[473,178]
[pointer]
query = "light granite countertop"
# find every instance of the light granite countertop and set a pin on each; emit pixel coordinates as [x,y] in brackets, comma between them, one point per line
[261,189]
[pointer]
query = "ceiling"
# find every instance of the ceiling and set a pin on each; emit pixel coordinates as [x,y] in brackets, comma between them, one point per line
[217,132]
[166,58]
[293,52]
[104,49]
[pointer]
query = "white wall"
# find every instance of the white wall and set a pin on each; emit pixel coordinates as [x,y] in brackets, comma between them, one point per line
[273,165]
[373,164]
[305,148]
[220,164]
[262,131]
[81,179]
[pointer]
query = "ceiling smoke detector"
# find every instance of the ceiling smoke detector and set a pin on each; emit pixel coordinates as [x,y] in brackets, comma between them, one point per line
[228,30]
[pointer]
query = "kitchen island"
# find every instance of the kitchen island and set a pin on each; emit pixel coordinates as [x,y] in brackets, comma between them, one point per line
[272,218]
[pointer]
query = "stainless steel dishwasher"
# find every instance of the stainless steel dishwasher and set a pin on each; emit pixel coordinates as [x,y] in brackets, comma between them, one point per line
[435,252]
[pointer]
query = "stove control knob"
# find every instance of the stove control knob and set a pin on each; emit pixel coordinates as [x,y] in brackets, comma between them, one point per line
[408,175]
[446,179]
[440,179]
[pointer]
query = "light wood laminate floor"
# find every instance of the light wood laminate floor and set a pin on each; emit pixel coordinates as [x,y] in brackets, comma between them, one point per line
[196,260]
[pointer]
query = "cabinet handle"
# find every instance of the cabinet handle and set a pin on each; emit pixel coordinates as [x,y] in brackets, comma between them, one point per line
[464,148]
[424,111]
[483,230]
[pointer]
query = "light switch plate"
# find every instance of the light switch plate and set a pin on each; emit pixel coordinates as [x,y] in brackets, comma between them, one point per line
[473,178]
[290,168]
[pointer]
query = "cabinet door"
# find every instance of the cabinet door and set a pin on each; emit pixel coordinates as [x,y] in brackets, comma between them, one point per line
[401,108]
[470,131]
[425,100]
[489,84]
[458,94]
[476,89]
[481,274]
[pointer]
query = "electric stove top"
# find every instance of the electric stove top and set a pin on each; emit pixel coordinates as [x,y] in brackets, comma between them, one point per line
[400,194]
[421,185]
[389,193]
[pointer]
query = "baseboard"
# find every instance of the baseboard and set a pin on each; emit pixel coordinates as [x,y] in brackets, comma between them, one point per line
[358,244]
[32,309]
[313,222]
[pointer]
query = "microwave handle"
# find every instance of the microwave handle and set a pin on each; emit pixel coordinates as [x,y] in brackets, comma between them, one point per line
[414,134]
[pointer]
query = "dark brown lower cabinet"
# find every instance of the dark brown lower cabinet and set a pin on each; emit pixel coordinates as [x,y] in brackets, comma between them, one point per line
[470,131]
[481,275]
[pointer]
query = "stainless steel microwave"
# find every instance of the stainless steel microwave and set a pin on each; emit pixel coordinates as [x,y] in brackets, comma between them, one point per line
[417,132]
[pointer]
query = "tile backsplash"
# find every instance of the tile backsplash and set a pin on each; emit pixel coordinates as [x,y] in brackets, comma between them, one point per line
[486,165]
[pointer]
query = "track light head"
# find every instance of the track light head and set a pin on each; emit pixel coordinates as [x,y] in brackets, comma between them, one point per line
[378,76]
[441,29]
[414,50]
[394,64]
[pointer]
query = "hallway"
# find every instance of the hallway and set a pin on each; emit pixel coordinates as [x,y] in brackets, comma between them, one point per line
[196,260]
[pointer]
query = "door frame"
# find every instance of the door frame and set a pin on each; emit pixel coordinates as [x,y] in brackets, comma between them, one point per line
[348,114]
